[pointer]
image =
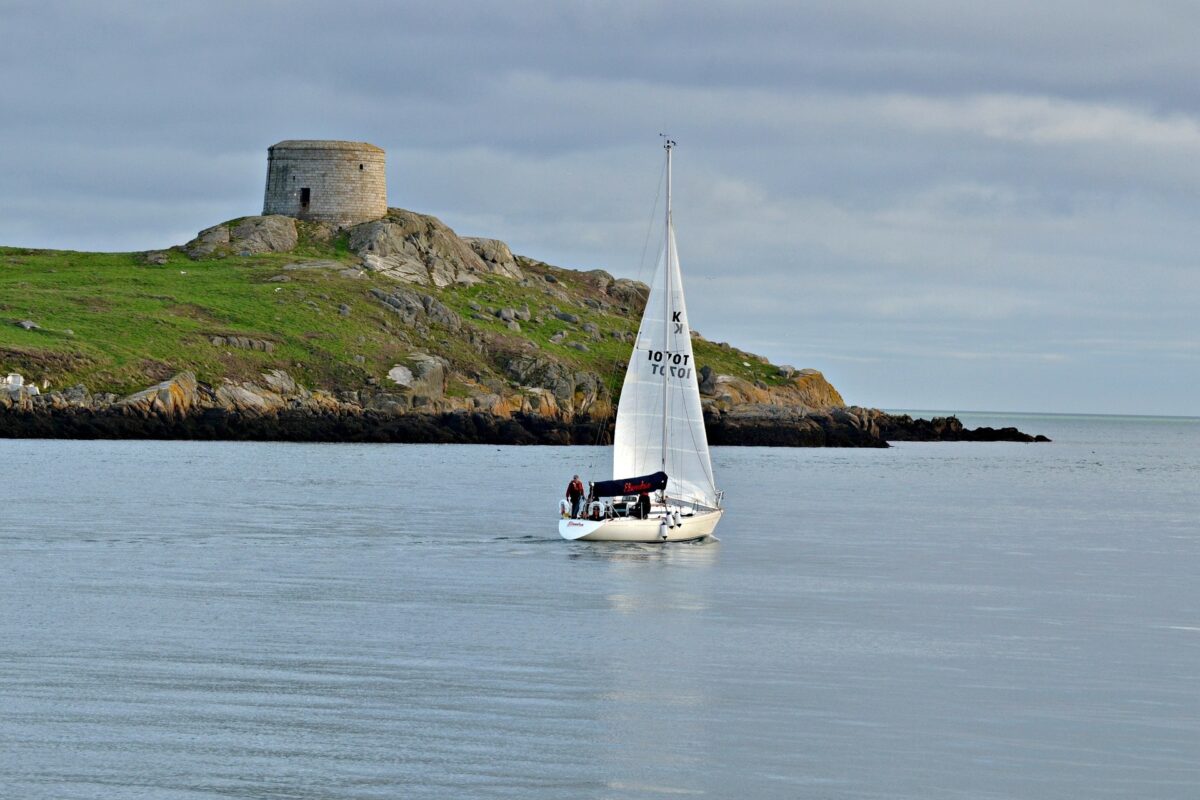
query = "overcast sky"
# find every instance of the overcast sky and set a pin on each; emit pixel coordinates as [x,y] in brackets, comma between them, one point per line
[941,205]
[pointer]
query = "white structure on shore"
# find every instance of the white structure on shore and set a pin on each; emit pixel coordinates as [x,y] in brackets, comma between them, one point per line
[14,383]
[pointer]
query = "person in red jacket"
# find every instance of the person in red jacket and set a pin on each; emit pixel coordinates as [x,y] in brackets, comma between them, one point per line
[575,495]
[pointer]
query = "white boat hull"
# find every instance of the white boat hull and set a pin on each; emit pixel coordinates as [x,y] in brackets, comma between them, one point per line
[626,529]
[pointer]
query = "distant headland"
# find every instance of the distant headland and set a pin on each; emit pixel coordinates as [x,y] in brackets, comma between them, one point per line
[332,317]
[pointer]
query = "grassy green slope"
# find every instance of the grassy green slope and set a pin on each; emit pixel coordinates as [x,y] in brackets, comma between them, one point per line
[115,323]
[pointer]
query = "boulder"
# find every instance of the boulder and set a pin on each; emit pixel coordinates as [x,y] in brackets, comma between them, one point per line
[243,343]
[172,398]
[491,403]
[77,395]
[246,398]
[496,256]
[574,392]
[418,309]
[383,248]
[280,382]
[401,375]
[274,233]
[598,279]
[421,374]
[415,248]
[541,402]
[632,293]
[431,371]
[209,243]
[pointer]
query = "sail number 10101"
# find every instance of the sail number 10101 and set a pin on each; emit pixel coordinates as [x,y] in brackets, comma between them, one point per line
[673,364]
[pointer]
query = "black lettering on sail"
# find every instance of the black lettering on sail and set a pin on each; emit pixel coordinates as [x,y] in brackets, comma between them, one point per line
[675,316]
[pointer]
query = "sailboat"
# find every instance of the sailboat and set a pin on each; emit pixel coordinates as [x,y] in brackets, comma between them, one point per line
[663,489]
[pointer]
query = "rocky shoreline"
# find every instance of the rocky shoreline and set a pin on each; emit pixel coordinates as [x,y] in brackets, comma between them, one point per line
[280,410]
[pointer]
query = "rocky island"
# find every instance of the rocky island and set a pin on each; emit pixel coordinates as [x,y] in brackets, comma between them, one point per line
[332,317]
[396,330]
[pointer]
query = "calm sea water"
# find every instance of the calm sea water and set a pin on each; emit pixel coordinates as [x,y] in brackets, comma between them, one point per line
[211,620]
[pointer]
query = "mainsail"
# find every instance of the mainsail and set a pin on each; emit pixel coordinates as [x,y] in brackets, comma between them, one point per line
[660,425]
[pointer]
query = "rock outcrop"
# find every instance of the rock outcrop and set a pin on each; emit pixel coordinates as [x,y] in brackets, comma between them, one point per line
[172,399]
[415,248]
[782,426]
[629,292]
[903,428]
[496,256]
[804,390]
[422,375]
[573,392]
[245,237]
[417,309]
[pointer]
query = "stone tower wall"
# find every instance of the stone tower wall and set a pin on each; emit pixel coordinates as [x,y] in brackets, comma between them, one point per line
[346,182]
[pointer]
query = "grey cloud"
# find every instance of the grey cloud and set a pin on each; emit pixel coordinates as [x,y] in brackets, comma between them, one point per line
[923,199]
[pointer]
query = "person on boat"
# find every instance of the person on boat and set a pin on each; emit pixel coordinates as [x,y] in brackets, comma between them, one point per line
[643,505]
[575,495]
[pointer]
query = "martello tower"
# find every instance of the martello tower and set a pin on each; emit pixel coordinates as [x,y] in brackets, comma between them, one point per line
[342,183]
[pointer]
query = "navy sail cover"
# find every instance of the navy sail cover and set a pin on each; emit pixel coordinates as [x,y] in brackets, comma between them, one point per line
[623,486]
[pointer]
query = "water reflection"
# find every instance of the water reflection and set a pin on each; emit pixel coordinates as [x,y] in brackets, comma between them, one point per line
[699,553]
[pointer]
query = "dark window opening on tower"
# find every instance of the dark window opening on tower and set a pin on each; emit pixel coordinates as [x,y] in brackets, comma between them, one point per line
[305,196]
[360,166]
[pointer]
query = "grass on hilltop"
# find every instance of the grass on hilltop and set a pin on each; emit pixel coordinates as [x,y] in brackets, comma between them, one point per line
[115,323]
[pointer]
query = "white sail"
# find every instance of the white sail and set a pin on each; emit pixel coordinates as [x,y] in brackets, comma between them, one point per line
[660,425]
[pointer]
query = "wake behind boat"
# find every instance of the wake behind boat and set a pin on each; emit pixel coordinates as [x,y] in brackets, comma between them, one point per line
[660,438]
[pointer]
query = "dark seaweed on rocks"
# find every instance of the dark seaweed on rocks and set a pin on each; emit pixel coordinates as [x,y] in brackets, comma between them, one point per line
[182,408]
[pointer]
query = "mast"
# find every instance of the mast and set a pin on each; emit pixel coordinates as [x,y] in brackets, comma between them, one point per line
[668,145]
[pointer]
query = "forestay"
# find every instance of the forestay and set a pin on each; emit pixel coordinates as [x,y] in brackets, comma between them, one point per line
[660,425]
